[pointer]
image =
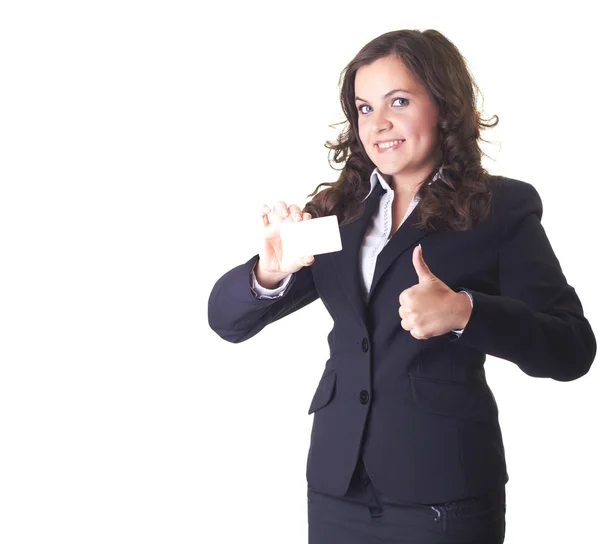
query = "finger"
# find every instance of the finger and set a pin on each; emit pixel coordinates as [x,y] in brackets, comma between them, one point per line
[419,333]
[409,323]
[404,312]
[415,334]
[295,212]
[404,298]
[306,216]
[421,268]
[280,210]
[305,261]
[264,212]
[405,309]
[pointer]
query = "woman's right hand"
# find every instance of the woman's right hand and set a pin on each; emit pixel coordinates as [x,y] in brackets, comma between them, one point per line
[273,265]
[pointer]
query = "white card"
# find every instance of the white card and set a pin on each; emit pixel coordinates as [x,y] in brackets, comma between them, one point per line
[311,237]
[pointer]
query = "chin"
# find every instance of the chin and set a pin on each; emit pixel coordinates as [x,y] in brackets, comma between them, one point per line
[389,170]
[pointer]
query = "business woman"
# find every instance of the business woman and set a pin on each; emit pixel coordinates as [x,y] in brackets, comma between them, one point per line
[442,263]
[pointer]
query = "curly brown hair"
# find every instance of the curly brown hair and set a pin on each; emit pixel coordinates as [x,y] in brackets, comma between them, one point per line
[463,199]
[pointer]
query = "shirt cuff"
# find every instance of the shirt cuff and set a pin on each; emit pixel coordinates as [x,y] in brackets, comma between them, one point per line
[458,332]
[262,292]
[469,295]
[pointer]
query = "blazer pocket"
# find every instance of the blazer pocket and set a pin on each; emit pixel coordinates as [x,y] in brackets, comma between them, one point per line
[324,393]
[454,399]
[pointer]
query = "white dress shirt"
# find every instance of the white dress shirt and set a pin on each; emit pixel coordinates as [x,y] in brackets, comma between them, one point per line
[376,237]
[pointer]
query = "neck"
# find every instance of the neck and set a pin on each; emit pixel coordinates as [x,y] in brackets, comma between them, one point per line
[405,192]
[406,185]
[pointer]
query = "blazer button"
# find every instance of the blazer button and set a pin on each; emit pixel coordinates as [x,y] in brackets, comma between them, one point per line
[365,345]
[363,396]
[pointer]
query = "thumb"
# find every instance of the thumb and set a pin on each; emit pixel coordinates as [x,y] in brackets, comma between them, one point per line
[421,268]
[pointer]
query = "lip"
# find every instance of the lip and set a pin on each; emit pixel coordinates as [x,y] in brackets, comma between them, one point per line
[387,150]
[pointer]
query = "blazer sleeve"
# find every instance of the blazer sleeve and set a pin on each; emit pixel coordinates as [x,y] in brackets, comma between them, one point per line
[236,314]
[537,320]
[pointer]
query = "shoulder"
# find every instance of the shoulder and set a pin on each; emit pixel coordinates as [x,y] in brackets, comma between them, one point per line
[514,198]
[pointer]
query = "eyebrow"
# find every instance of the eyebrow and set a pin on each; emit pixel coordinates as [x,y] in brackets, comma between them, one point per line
[386,94]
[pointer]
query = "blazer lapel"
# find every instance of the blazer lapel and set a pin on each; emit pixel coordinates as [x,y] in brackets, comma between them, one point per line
[348,266]
[404,238]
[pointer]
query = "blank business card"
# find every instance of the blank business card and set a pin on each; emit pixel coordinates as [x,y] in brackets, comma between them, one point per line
[311,237]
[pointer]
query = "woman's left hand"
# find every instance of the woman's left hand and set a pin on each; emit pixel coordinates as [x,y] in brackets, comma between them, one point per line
[431,308]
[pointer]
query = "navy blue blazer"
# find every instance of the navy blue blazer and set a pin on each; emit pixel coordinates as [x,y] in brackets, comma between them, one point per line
[421,411]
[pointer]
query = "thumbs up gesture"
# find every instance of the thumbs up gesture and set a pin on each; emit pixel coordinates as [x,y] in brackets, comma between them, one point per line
[431,308]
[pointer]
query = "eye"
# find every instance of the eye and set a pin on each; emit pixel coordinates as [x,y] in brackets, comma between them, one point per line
[366,105]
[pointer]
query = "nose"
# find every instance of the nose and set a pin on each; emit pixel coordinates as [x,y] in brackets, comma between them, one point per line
[379,121]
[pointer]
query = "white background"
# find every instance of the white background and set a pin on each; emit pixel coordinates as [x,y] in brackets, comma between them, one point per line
[137,141]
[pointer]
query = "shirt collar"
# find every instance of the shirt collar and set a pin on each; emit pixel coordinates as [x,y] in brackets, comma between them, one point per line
[376,176]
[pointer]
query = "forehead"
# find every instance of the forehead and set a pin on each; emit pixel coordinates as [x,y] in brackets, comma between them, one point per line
[382,75]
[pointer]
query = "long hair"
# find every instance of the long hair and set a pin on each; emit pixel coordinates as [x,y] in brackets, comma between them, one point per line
[461,198]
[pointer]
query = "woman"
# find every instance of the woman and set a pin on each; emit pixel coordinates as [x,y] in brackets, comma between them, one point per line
[442,263]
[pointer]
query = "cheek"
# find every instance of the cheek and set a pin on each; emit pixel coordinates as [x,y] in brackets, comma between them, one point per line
[411,128]
[423,127]
[363,135]
[362,130]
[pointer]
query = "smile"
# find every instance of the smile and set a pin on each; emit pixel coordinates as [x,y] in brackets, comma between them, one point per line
[389,146]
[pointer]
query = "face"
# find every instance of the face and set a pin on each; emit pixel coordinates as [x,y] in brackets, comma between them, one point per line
[386,114]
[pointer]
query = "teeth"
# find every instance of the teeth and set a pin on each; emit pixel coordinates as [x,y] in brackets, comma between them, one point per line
[385,145]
